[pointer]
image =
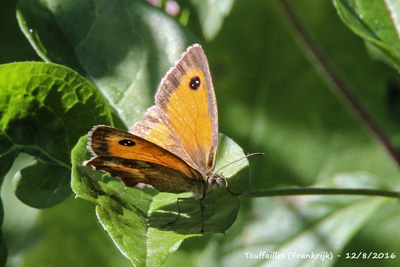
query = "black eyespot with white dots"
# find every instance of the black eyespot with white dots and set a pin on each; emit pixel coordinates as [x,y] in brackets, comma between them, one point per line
[194,83]
[126,142]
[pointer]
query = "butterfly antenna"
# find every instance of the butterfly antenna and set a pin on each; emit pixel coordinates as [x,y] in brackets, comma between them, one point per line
[248,155]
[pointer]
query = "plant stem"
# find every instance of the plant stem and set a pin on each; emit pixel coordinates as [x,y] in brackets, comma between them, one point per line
[338,85]
[322,191]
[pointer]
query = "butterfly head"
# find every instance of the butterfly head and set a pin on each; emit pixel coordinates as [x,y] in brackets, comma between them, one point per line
[213,181]
[217,179]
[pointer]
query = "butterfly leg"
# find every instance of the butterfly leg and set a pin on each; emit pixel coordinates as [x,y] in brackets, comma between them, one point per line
[179,210]
[202,208]
[227,188]
[201,214]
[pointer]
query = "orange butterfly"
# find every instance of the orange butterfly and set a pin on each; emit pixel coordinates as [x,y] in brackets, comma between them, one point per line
[173,148]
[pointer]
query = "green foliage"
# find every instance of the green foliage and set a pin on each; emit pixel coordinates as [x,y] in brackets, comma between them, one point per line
[270,99]
[39,104]
[138,220]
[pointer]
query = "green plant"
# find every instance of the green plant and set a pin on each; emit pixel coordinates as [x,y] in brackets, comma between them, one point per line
[271,99]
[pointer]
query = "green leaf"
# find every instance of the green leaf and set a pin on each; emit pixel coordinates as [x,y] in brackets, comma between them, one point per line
[138,219]
[124,47]
[41,111]
[377,23]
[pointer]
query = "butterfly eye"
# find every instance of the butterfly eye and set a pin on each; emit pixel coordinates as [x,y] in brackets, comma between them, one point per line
[126,142]
[194,83]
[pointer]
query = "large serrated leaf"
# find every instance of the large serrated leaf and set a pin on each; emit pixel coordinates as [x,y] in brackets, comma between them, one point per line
[138,219]
[41,107]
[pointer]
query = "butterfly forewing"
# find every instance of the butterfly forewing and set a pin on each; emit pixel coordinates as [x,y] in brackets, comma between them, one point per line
[184,120]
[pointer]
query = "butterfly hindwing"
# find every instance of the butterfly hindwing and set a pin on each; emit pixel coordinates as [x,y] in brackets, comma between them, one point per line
[137,161]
